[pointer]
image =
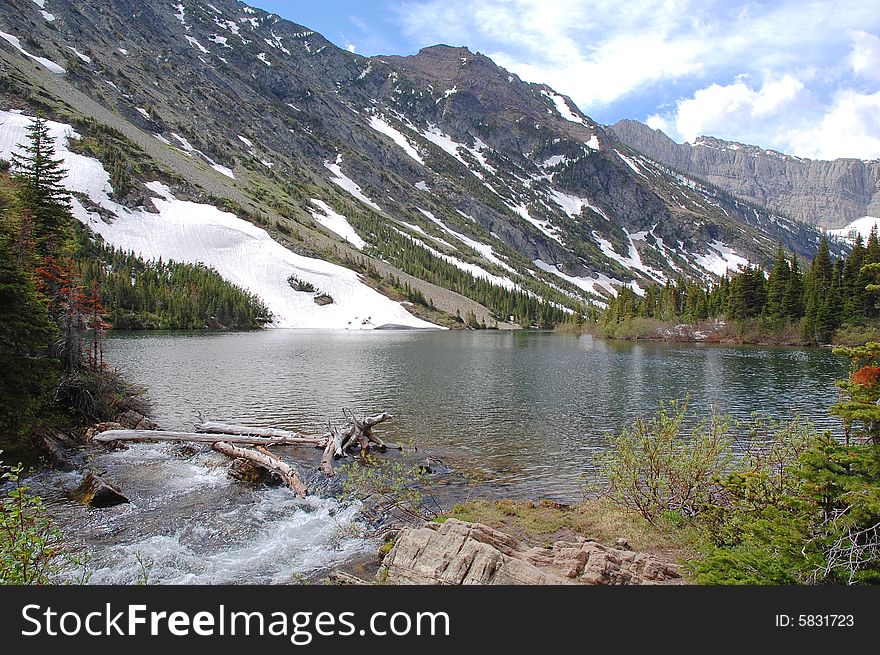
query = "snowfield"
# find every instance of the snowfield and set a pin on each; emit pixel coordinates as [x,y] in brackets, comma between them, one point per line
[862,226]
[240,252]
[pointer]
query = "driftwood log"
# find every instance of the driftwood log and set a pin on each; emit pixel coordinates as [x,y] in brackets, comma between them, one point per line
[227,439]
[267,461]
[149,436]
[212,427]
[359,431]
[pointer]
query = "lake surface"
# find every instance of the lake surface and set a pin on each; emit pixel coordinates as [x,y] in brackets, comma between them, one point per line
[530,409]
[524,412]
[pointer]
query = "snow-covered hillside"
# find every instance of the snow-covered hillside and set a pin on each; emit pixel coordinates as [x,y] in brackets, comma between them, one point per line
[862,226]
[195,233]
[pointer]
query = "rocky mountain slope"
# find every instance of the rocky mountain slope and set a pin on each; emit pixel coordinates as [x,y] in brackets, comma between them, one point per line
[439,178]
[830,194]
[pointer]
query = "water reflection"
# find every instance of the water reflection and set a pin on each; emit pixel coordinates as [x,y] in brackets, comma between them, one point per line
[533,407]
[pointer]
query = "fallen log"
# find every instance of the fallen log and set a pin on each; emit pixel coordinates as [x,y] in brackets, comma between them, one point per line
[146,436]
[212,427]
[267,461]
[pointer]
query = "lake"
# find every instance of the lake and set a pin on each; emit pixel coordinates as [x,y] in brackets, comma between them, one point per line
[523,412]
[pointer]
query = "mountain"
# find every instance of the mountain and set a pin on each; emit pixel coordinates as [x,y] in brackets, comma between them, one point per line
[830,194]
[215,132]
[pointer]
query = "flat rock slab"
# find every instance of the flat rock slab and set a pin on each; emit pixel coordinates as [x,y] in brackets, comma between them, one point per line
[459,553]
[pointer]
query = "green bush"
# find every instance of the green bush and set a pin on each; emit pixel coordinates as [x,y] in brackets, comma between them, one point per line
[30,545]
[653,468]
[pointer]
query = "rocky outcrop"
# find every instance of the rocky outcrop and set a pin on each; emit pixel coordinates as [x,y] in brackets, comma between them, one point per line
[459,553]
[830,194]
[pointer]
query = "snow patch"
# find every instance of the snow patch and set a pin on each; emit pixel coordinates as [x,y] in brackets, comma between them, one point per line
[477,271]
[422,186]
[573,205]
[632,261]
[181,15]
[245,140]
[381,126]
[563,108]
[264,58]
[85,58]
[342,180]
[629,162]
[239,251]
[722,261]
[544,226]
[196,44]
[598,284]
[336,223]
[862,226]
[48,64]
[143,112]
[219,40]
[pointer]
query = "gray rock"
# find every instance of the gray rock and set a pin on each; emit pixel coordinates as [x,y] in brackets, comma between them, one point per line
[459,553]
[830,194]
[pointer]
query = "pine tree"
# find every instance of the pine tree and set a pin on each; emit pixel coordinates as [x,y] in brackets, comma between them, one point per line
[27,372]
[40,192]
[777,285]
[793,299]
[854,283]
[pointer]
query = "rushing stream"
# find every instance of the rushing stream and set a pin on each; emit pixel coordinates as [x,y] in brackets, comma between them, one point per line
[524,412]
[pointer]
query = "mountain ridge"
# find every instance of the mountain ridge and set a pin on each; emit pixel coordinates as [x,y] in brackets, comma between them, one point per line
[452,172]
[826,193]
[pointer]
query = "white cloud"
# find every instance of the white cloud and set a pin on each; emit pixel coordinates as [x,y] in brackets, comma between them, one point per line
[850,128]
[657,122]
[791,62]
[715,109]
[865,56]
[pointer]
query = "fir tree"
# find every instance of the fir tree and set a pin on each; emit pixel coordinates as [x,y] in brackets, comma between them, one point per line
[777,284]
[27,372]
[40,192]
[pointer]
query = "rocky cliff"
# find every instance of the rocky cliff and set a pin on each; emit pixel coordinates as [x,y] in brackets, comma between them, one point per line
[829,194]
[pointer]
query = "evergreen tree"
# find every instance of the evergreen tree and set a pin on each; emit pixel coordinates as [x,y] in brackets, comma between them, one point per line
[27,372]
[40,192]
[777,285]
[854,283]
[793,299]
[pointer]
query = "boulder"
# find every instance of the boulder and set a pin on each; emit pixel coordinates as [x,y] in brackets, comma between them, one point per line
[247,471]
[132,420]
[96,492]
[456,553]
[60,451]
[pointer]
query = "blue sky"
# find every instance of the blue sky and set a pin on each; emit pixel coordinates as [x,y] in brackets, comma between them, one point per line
[800,76]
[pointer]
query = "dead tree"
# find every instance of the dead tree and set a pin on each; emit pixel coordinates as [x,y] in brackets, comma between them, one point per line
[265,460]
[227,439]
[357,432]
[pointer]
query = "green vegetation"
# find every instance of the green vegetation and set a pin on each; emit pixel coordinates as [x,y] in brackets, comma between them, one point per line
[391,487]
[30,544]
[537,305]
[544,522]
[139,295]
[783,505]
[809,307]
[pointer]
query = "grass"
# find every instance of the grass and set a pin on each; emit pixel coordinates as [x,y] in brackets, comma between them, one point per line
[544,522]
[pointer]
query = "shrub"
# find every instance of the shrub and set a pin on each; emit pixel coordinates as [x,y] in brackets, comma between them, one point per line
[653,468]
[300,285]
[30,544]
